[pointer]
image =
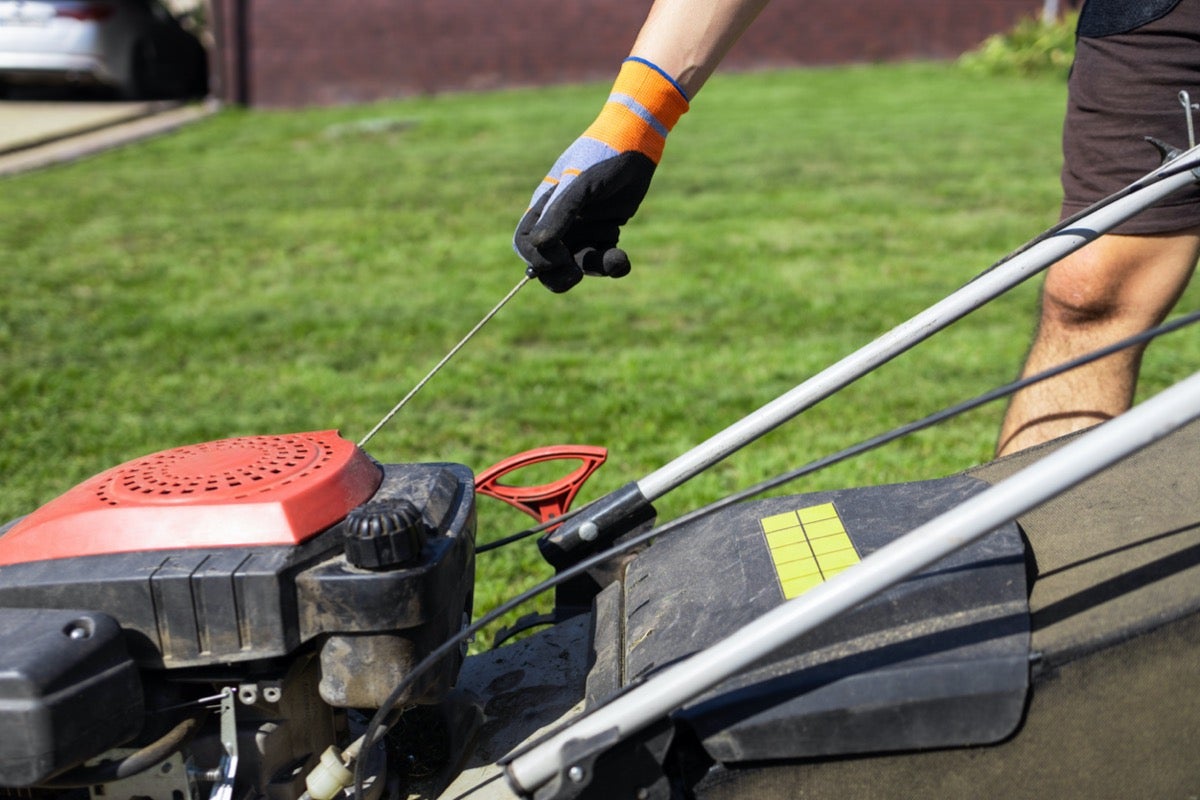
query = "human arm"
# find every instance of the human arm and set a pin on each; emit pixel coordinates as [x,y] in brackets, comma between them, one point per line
[575,215]
[687,39]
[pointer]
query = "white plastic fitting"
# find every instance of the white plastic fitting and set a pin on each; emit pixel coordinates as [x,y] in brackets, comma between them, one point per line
[329,777]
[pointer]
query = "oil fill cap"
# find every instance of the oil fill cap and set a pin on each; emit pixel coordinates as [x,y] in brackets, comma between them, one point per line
[384,534]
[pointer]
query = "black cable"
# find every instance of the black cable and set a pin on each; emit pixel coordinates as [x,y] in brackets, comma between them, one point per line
[376,726]
[139,761]
[516,537]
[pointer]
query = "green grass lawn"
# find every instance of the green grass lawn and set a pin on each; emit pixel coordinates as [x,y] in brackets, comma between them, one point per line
[271,272]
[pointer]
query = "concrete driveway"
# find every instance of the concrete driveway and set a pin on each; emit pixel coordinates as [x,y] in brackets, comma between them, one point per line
[25,123]
[38,133]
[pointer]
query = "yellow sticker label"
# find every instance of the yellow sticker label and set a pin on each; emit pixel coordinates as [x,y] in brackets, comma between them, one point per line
[808,546]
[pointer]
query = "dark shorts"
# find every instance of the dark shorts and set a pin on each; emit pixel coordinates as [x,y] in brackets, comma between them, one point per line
[1125,86]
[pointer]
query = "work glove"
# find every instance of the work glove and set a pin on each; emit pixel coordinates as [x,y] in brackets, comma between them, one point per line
[574,219]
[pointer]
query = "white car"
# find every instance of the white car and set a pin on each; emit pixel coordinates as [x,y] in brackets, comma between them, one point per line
[136,47]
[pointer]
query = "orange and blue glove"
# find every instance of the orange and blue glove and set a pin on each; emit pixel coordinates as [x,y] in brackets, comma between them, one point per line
[574,219]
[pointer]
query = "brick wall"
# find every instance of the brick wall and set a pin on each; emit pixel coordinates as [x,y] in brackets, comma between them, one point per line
[317,52]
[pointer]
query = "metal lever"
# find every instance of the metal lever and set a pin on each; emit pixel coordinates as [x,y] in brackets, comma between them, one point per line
[1186,100]
[227,772]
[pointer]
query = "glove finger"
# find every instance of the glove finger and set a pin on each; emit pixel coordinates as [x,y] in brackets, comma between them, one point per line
[560,280]
[590,261]
[521,238]
[551,263]
[555,268]
[616,263]
[610,263]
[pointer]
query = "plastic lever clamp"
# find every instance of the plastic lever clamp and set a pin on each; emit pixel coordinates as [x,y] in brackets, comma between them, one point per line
[546,501]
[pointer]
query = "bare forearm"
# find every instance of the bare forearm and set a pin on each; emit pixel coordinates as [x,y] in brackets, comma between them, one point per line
[688,38]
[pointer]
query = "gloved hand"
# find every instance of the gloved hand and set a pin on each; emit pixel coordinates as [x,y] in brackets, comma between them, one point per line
[574,219]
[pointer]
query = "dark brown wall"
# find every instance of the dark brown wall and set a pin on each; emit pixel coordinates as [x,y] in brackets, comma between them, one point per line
[318,52]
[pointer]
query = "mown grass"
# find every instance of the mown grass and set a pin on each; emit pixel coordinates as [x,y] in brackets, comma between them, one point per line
[268,272]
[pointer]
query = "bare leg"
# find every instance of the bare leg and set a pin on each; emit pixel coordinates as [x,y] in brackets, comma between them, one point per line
[1114,287]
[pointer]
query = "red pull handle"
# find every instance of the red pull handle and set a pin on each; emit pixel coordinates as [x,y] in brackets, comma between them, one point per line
[549,500]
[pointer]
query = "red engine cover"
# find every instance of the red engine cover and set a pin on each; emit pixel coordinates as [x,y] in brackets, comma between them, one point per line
[253,490]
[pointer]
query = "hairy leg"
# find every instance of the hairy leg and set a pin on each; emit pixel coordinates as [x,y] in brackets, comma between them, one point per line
[1114,287]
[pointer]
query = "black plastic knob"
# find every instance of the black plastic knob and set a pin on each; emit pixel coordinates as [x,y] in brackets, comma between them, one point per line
[384,534]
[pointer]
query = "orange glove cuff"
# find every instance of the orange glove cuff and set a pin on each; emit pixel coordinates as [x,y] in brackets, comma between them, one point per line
[642,108]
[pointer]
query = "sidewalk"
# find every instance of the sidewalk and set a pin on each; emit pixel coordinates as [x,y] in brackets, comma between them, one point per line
[39,134]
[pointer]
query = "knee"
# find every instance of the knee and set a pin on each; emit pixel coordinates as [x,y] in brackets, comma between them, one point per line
[1127,281]
[1077,293]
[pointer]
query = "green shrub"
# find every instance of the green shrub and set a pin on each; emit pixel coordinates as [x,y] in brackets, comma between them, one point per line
[1032,47]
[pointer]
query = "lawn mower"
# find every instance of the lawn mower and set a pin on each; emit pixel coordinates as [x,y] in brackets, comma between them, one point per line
[284,616]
